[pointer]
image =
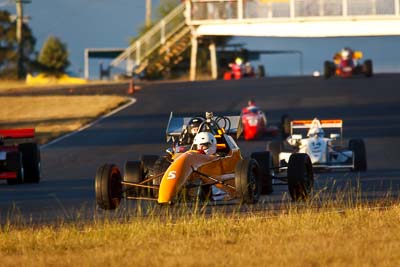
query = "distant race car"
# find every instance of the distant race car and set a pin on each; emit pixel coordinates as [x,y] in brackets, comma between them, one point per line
[254,124]
[346,63]
[325,153]
[192,174]
[19,163]
[238,70]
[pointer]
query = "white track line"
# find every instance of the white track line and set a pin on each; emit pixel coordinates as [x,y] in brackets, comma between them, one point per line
[131,102]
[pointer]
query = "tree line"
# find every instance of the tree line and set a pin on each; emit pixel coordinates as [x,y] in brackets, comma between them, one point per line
[52,58]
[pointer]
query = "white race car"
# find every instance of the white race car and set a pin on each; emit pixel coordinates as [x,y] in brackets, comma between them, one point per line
[325,153]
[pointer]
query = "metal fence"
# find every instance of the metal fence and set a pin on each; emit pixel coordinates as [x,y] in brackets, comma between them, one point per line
[291,9]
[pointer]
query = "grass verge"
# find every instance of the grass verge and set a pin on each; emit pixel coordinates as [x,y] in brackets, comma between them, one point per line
[353,237]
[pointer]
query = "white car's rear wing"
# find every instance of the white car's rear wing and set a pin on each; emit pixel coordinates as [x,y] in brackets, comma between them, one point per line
[306,124]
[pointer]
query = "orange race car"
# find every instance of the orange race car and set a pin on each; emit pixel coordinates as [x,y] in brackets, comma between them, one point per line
[213,168]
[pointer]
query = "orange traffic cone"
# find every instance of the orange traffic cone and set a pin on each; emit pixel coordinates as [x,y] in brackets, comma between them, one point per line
[131,89]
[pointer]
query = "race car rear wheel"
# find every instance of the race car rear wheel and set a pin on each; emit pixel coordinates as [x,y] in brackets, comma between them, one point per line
[264,161]
[31,162]
[285,125]
[368,70]
[360,155]
[300,176]
[134,173]
[329,69]
[275,148]
[148,165]
[247,181]
[148,162]
[160,166]
[108,187]
[14,164]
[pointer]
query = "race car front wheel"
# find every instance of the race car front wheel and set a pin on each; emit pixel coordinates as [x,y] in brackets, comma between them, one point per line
[31,162]
[108,187]
[248,186]
[300,176]
[359,152]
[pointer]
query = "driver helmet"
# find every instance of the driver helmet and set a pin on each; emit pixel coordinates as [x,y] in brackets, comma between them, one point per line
[251,102]
[205,141]
[238,61]
[193,125]
[346,53]
[315,132]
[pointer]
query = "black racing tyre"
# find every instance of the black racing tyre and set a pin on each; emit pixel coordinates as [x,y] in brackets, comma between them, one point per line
[264,161]
[275,148]
[300,176]
[148,165]
[360,154]
[248,186]
[368,69]
[148,162]
[160,166]
[108,187]
[14,164]
[328,70]
[134,173]
[285,125]
[31,162]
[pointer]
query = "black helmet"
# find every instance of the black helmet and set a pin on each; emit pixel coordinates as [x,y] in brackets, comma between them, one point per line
[194,124]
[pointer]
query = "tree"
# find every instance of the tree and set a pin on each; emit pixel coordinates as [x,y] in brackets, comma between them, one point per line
[9,47]
[53,57]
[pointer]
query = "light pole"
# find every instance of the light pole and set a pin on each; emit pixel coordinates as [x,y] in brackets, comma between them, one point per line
[20,40]
[148,13]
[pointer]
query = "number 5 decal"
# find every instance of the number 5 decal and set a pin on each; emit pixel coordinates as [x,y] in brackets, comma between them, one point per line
[171,175]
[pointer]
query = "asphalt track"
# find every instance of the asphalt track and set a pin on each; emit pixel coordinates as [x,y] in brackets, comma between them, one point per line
[370,108]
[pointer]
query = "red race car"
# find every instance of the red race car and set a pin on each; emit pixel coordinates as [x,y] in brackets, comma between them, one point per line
[346,63]
[254,123]
[19,163]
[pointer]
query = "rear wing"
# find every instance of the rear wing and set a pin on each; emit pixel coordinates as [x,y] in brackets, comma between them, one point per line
[17,133]
[306,124]
[177,124]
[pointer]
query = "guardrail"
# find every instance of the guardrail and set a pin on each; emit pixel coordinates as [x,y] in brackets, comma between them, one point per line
[203,11]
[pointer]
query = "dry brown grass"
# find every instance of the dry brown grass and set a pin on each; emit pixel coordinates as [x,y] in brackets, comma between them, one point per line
[53,116]
[13,85]
[354,237]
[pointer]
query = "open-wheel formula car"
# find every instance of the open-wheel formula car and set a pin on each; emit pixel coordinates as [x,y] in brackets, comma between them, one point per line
[254,123]
[19,162]
[195,174]
[346,63]
[325,153]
